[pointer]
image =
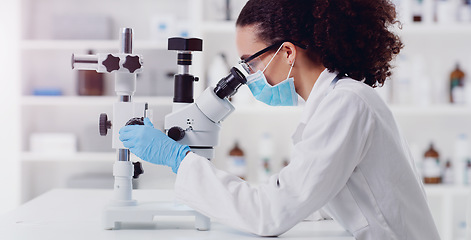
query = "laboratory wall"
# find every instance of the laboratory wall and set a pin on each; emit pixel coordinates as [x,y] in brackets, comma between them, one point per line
[50,126]
[9,105]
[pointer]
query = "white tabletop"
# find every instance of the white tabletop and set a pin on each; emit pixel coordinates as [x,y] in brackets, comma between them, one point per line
[76,214]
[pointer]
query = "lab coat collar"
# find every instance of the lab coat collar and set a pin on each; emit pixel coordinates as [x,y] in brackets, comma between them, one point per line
[318,92]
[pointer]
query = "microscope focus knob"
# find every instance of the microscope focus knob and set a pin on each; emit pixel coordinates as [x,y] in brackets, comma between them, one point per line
[138,170]
[104,124]
[176,133]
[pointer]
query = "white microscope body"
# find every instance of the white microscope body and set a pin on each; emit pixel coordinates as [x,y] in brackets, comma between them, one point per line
[200,122]
[195,124]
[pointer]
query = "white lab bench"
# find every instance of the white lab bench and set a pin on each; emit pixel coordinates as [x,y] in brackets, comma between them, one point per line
[76,214]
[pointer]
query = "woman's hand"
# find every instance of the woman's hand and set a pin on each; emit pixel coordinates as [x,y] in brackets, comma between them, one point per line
[152,145]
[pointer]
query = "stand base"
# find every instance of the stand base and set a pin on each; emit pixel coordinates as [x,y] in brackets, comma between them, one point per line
[144,212]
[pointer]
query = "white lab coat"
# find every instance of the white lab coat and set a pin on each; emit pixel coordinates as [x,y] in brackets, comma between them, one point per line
[348,159]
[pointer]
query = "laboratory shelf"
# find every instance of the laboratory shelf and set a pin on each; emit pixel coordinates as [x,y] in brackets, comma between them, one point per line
[420,29]
[69,157]
[447,212]
[87,44]
[88,101]
[447,190]
[432,110]
[256,107]
[218,26]
[407,28]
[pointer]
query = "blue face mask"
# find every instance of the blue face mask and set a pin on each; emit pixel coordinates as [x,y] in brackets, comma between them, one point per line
[282,94]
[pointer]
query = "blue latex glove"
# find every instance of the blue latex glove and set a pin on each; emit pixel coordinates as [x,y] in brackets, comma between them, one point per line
[152,145]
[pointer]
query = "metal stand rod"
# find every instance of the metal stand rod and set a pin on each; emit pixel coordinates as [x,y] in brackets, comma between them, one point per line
[126,38]
[123,155]
[123,168]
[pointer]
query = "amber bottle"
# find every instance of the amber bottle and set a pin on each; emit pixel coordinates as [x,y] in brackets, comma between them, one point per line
[90,83]
[237,164]
[431,168]
[457,85]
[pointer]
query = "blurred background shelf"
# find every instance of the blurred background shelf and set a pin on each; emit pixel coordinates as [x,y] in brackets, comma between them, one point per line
[89,101]
[72,157]
[78,45]
[447,190]
[439,110]
[219,26]
[463,29]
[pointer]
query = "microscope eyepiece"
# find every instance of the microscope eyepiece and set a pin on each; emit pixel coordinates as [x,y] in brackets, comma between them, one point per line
[228,86]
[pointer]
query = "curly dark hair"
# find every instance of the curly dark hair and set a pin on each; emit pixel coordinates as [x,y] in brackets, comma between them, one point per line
[349,36]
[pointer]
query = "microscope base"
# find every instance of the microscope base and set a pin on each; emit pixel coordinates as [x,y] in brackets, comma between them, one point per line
[144,212]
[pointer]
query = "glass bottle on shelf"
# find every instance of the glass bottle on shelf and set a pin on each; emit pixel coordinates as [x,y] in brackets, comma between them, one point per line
[431,166]
[457,94]
[447,11]
[266,154]
[90,83]
[468,172]
[461,156]
[417,10]
[236,162]
[448,177]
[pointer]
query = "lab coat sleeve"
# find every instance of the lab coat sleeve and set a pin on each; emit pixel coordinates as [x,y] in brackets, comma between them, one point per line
[333,142]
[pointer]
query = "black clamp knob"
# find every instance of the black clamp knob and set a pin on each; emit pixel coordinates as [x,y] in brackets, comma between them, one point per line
[132,63]
[176,133]
[104,124]
[138,170]
[135,121]
[111,63]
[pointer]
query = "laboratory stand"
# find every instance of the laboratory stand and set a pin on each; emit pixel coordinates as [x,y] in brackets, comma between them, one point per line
[123,208]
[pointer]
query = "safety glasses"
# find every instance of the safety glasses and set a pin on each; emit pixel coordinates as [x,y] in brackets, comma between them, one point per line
[250,64]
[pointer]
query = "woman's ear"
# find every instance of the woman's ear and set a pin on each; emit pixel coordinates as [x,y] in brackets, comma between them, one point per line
[290,52]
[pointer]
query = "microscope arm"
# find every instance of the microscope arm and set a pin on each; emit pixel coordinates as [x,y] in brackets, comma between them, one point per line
[215,108]
[198,124]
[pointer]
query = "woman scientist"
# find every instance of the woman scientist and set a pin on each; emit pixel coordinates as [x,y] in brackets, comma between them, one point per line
[348,159]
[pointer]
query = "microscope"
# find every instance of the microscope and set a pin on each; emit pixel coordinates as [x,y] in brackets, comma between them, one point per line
[195,123]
